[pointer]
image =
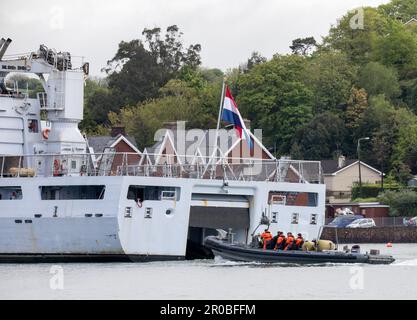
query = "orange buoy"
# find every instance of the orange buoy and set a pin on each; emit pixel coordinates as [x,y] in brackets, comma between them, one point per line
[389,245]
[45,133]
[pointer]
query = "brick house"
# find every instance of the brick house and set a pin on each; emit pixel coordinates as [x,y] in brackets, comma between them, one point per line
[117,142]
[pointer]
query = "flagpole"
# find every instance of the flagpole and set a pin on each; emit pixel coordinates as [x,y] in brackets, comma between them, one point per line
[220,112]
[218,126]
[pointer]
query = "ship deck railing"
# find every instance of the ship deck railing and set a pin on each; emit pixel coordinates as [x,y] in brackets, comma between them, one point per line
[157,165]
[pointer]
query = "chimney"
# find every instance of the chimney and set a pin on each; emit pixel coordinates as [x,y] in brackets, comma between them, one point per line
[171,126]
[341,161]
[118,129]
[247,123]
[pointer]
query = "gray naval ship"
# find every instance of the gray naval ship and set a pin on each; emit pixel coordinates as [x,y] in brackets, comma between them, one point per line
[61,202]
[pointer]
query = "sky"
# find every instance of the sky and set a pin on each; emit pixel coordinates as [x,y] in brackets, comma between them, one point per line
[228,30]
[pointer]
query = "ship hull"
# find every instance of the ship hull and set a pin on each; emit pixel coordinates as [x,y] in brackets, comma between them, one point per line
[82,258]
[115,228]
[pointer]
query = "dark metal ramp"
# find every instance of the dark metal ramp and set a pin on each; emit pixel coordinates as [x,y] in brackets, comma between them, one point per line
[219,217]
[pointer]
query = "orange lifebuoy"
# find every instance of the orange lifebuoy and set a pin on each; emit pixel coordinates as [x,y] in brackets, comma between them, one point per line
[45,133]
[56,167]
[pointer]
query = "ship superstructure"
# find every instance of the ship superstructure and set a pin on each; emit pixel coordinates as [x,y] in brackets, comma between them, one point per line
[58,202]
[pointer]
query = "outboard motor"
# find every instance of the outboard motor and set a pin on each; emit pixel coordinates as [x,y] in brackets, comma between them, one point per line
[230,236]
[356,249]
[255,241]
[265,220]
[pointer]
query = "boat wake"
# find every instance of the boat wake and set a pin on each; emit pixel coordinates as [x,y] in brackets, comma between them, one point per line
[221,262]
[411,262]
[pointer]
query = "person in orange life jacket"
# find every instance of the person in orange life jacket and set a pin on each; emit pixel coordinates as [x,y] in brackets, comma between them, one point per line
[266,238]
[290,241]
[299,241]
[279,245]
[271,244]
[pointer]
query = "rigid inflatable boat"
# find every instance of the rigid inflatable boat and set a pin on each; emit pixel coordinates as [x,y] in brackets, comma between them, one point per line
[248,253]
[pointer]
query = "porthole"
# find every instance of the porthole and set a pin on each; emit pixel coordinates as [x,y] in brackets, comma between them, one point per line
[169,212]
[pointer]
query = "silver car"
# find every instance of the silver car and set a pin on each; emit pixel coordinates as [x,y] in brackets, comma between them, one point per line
[362,223]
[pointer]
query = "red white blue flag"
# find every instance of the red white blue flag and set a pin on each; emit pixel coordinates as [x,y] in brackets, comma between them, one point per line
[232,115]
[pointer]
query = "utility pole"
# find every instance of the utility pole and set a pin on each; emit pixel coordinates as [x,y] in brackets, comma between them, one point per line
[359,161]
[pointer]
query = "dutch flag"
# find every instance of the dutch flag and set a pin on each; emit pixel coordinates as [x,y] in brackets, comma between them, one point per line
[232,115]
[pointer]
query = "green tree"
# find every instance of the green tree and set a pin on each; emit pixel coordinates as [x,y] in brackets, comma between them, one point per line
[330,76]
[402,203]
[409,92]
[358,42]
[97,105]
[255,59]
[378,122]
[170,52]
[322,138]
[406,147]
[274,97]
[280,127]
[398,48]
[303,46]
[140,68]
[356,107]
[377,79]
[403,10]
[177,101]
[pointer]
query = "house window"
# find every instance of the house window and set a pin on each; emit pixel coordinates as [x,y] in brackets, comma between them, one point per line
[73,164]
[294,218]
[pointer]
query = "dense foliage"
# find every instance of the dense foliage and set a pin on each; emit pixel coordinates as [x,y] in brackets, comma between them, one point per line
[314,103]
[402,203]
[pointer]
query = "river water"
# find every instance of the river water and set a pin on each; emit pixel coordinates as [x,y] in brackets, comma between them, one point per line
[214,279]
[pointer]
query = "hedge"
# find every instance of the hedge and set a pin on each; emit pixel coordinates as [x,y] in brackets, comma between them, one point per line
[372,190]
[402,203]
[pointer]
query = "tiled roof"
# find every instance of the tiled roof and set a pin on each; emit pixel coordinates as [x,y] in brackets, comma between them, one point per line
[332,166]
[98,143]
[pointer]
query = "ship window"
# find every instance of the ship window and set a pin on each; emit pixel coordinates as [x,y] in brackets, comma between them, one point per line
[294,198]
[294,218]
[153,193]
[168,195]
[274,217]
[82,192]
[33,126]
[278,199]
[11,193]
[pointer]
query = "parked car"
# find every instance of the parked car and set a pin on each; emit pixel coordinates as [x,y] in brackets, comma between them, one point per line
[362,223]
[343,221]
[410,222]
